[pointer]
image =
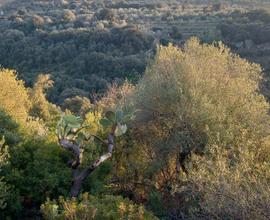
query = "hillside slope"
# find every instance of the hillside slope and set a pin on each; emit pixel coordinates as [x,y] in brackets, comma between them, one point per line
[85,45]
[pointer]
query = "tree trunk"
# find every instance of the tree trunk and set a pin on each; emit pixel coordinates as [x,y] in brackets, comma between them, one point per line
[78,178]
[76,187]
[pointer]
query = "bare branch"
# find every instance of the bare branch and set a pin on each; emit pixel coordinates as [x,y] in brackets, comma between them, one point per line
[74,148]
[78,180]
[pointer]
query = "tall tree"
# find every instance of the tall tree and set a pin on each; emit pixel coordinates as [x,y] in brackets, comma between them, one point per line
[201,123]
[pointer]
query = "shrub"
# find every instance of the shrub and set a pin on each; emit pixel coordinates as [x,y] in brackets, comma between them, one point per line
[36,170]
[90,207]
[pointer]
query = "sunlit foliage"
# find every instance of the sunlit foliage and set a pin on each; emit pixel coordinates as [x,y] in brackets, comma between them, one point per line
[90,208]
[14,96]
[200,100]
[41,108]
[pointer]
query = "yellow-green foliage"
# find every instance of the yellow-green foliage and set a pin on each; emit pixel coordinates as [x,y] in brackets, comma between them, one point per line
[213,91]
[14,97]
[223,191]
[92,118]
[204,99]
[90,208]
[28,107]
[210,88]
[41,108]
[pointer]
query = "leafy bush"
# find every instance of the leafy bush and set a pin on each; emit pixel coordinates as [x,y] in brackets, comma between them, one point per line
[36,170]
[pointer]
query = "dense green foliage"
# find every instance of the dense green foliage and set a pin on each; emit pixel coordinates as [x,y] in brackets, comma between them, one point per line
[9,129]
[80,59]
[75,58]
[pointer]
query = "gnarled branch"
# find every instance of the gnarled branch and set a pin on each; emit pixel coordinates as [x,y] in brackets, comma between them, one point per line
[75,149]
[80,177]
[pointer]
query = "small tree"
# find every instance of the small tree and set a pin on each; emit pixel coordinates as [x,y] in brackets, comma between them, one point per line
[72,136]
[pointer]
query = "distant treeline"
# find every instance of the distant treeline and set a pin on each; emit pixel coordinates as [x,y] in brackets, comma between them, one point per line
[85,49]
[81,61]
